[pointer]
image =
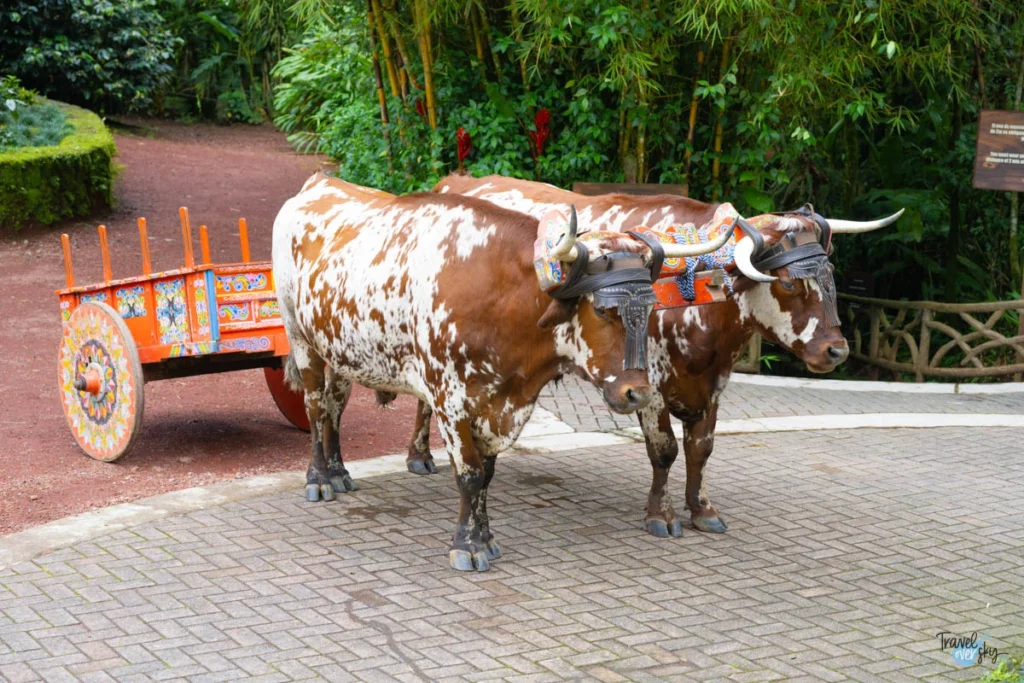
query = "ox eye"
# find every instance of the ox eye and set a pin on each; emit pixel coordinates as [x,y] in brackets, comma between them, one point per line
[601,313]
[787,285]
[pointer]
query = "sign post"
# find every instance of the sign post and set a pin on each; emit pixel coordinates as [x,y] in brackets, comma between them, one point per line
[999,158]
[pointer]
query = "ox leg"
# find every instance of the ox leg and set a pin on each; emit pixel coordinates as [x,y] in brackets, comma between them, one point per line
[491,547]
[468,549]
[419,460]
[660,519]
[311,371]
[698,443]
[336,393]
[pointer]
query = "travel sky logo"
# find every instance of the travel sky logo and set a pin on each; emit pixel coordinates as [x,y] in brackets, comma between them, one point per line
[968,650]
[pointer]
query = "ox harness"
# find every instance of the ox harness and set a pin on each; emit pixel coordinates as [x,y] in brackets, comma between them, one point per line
[617,280]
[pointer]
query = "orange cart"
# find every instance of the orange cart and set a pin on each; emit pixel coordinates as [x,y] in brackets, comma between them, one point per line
[198,319]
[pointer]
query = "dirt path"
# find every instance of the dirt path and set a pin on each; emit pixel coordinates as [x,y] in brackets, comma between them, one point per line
[196,430]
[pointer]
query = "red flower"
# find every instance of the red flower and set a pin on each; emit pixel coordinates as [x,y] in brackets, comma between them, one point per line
[465,144]
[420,109]
[539,136]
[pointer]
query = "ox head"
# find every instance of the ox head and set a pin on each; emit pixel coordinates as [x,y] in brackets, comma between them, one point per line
[789,290]
[602,281]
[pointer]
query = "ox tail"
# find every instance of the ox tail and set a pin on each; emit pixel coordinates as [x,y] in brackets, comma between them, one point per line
[384,398]
[291,375]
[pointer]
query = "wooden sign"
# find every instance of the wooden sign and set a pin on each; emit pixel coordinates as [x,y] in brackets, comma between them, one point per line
[999,159]
[591,189]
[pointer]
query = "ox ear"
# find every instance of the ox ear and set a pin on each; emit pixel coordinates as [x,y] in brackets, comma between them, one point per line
[558,312]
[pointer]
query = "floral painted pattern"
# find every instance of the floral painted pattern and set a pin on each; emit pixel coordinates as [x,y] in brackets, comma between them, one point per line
[95,296]
[131,302]
[171,311]
[202,308]
[233,312]
[243,282]
[269,309]
[93,347]
[250,344]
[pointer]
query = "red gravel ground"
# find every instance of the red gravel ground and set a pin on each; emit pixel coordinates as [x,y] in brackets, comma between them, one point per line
[196,430]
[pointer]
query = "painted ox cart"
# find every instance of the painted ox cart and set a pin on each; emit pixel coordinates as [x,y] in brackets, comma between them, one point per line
[198,319]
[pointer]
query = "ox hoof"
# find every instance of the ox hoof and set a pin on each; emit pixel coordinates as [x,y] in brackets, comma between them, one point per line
[425,466]
[342,483]
[663,529]
[318,492]
[710,525]
[465,561]
[492,550]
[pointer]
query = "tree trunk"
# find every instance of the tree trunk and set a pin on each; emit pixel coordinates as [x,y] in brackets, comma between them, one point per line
[692,128]
[716,165]
[953,191]
[477,29]
[485,28]
[515,34]
[1014,244]
[381,98]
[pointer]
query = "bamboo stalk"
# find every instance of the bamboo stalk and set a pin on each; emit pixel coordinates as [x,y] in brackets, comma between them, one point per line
[516,30]
[485,26]
[641,138]
[692,128]
[477,31]
[423,36]
[377,20]
[716,165]
[379,79]
[403,51]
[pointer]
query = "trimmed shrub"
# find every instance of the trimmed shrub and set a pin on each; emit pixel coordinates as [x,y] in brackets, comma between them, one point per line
[68,180]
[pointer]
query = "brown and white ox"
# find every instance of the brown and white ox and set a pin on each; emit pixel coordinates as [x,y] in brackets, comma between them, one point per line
[692,349]
[437,296]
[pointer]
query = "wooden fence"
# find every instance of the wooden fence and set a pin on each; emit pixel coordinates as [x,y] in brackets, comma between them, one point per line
[931,339]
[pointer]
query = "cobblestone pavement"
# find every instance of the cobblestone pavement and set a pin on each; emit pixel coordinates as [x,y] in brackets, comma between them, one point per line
[579,404]
[847,552]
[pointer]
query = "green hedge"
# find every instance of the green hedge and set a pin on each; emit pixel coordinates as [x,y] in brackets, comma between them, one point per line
[68,180]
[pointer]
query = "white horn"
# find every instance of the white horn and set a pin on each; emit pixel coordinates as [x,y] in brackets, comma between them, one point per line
[841,226]
[565,250]
[687,250]
[742,254]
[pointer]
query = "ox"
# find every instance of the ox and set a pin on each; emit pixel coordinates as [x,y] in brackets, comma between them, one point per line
[438,296]
[693,349]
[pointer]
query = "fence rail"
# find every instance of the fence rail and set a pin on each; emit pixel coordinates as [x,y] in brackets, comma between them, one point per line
[932,339]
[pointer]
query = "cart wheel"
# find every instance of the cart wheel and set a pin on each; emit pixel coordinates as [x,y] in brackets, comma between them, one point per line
[292,404]
[100,381]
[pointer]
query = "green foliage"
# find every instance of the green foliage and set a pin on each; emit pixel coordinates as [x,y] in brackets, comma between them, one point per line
[68,180]
[1009,670]
[107,55]
[31,125]
[226,52]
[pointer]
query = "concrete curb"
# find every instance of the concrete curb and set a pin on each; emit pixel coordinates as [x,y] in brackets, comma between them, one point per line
[884,387]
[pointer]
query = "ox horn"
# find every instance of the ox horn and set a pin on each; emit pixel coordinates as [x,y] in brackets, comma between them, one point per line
[565,249]
[742,255]
[687,250]
[840,226]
